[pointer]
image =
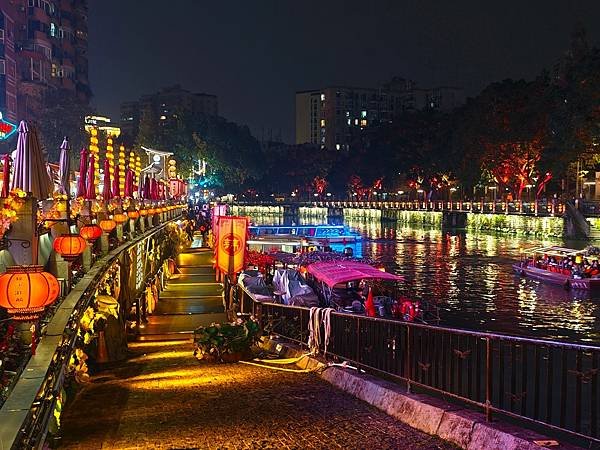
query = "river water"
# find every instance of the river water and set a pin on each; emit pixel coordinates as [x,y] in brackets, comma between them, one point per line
[469,276]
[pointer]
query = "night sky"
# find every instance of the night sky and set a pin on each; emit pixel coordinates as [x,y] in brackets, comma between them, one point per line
[255,54]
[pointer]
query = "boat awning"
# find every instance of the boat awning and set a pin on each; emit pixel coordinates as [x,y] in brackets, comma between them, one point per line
[332,273]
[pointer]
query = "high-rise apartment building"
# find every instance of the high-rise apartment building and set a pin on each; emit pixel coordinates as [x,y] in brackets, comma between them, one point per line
[44,47]
[163,107]
[332,117]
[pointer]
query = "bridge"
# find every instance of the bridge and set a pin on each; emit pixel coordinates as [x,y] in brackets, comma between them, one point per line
[158,395]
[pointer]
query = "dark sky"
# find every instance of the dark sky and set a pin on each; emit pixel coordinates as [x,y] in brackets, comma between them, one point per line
[254,54]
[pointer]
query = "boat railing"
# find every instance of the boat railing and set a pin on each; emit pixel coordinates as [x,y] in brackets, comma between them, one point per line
[548,384]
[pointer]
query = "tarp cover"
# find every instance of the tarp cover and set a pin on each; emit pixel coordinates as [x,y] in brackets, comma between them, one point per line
[332,273]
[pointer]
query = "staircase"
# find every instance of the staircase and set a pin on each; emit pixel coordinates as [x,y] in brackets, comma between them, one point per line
[191,299]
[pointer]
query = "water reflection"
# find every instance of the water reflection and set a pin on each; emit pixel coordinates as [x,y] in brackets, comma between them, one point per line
[469,276]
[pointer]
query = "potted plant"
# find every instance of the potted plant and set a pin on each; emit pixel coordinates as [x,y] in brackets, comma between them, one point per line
[226,342]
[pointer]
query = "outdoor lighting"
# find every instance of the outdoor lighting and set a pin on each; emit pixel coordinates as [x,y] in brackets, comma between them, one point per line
[151,211]
[90,232]
[120,218]
[69,246]
[26,290]
[108,225]
[133,214]
[143,212]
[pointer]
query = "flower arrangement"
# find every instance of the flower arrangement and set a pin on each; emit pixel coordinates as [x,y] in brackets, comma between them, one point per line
[10,206]
[226,342]
[259,259]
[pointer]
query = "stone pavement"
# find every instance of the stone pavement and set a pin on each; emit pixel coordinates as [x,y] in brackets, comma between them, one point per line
[163,398]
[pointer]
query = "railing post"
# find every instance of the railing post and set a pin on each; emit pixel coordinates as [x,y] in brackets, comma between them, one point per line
[488,380]
[408,356]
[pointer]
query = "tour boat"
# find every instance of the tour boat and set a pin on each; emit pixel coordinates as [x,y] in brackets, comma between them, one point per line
[534,265]
[323,234]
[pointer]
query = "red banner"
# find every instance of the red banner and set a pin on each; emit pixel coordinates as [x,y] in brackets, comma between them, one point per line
[231,244]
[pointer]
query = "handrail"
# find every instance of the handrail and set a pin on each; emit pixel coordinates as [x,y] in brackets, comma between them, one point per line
[17,416]
[536,381]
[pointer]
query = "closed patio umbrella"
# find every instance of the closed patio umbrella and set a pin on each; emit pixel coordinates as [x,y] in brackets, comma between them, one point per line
[64,167]
[90,189]
[5,175]
[128,182]
[153,189]
[81,184]
[146,188]
[106,193]
[30,174]
[116,190]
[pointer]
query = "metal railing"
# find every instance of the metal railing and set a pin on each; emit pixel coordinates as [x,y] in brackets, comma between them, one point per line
[551,384]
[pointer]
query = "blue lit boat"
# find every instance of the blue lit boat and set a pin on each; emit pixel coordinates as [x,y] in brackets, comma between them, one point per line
[323,234]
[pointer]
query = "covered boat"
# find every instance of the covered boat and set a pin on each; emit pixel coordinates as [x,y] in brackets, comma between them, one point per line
[562,266]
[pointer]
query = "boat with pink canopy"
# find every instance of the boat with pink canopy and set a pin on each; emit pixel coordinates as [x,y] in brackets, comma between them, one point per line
[336,272]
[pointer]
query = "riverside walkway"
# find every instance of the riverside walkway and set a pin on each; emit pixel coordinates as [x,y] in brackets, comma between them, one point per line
[163,398]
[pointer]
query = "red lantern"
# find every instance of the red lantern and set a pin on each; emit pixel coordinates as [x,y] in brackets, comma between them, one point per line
[133,215]
[69,246]
[120,218]
[90,232]
[26,290]
[143,212]
[108,225]
[151,211]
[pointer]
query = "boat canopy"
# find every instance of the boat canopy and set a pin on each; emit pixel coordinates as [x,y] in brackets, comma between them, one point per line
[559,252]
[332,273]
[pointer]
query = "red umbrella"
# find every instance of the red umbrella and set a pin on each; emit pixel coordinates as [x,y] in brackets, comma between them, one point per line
[370,305]
[128,182]
[153,189]
[146,188]
[116,190]
[64,167]
[90,192]
[106,194]
[5,175]
[81,187]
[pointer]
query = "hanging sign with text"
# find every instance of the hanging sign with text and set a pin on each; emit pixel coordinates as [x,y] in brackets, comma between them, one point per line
[231,244]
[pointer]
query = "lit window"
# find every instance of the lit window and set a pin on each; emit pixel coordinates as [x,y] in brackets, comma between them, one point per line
[355,121]
[347,113]
[363,122]
[54,70]
[322,122]
[52,30]
[349,121]
[163,117]
[363,114]
[338,146]
[322,97]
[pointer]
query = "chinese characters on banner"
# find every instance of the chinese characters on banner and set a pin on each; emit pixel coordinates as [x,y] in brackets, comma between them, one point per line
[231,244]
[217,211]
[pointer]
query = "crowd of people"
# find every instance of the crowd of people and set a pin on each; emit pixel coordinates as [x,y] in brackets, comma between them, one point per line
[575,266]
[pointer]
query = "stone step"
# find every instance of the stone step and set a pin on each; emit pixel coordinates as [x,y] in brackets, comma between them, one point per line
[201,258]
[187,306]
[197,270]
[186,278]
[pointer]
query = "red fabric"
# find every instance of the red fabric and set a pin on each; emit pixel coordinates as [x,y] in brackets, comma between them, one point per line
[370,305]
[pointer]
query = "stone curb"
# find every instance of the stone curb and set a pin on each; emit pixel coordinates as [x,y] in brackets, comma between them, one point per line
[465,428]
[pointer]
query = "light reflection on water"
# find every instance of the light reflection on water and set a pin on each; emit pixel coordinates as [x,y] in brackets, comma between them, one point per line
[469,276]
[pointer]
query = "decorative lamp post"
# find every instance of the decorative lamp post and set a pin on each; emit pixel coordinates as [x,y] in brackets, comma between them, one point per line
[110,156]
[90,232]
[122,170]
[70,246]
[95,152]
[108,225]
[25,291]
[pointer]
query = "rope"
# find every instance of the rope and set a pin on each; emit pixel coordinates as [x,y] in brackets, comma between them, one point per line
[318,316]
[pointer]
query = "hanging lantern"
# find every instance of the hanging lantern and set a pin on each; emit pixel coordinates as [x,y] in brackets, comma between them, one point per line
[108,225]
[143,212]
[120,218]
[26,290]
[69,246]
[133,214]
[151,211]
[90,232]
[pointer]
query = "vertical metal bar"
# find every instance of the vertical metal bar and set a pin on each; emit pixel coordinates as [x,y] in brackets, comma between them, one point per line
[478,371]
[513,375]
[488,379]
[578,381]
[408,358]
[549,385]
[500,375]
[536,382]
[358,340]
[594,406]
[524,379]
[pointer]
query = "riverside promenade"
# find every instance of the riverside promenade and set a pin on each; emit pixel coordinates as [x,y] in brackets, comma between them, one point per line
[161,397]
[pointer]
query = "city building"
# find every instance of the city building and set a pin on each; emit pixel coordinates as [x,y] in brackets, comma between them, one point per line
[331,117]
[163,108]
[44,46]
